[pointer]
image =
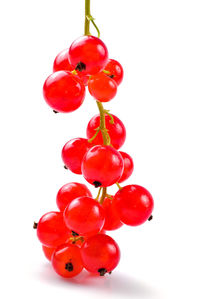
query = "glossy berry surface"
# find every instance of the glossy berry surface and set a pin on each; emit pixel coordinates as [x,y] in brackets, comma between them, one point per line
[51,229]
[128,167]
[112,219]
[88,54]
[116,70]
[100,254]
[84,216]
[134,204]
[70,191]
[102,87]
[67,261]
[48,251]
[73,153]
[61,62]
[117,131]
[102,166]
[63,91]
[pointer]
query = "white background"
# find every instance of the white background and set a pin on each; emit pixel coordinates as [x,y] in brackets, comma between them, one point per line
[158,44]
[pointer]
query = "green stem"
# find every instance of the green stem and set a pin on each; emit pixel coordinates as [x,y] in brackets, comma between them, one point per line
[118,185]
[102,127]
[87,21]
[103,195]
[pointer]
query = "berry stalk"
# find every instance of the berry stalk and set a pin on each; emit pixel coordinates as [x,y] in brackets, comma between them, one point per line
[102,111]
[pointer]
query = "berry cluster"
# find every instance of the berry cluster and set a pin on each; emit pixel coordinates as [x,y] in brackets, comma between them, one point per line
[75,237]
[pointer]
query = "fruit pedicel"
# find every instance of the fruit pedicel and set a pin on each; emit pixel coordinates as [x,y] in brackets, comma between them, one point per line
[74,238]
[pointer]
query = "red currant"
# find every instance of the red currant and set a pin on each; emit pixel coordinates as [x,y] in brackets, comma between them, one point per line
[112,220]
[116,131]
[48,251]
[51,229]
[116,70]
[70,191]
[67,261]
[102,166]
[85,216]
[102,87]
[88,54]
[73,153]
[100,254]
[61,62]
[128,167]
[134,204]
[63,91]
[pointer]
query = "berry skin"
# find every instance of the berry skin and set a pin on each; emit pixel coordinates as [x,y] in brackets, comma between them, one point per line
[84,216]
[73,153]
[66,260]
[63,91]
[117,131]
[61,62]
[116,70]
[134,204]
[128,167]
[70,191]
[88,54]
[100,254]
[102,166]
[112,220]
[102,87]
[48,251]
[51,229]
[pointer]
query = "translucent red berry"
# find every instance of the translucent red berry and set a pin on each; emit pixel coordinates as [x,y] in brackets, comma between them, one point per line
[102,166]
[116,130]
[48,251]
[134,204]
[70,191]
[67,261]
[112,219]
[102,87]
[128,167]
[61,62]
[73,153]
[63,91]
[85,216]
[51,229]
[88,54]
[115,70]
[100,254]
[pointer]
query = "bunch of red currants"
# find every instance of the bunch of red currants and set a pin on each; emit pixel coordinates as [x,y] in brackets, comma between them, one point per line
[75,237]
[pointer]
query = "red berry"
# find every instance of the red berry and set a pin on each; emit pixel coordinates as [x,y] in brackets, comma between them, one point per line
[51,229]
[102,166]
[48,251]
[116,70]
[69,192]
[100,254]
[128,167]
[61,62]
[134,204]
[73,153]
[88,54]
[63,91]
[116,131]
[84,216]
[102,87]
[112,220]
[66,260]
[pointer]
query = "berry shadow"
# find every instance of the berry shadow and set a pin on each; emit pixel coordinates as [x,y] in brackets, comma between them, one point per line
[117,284]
